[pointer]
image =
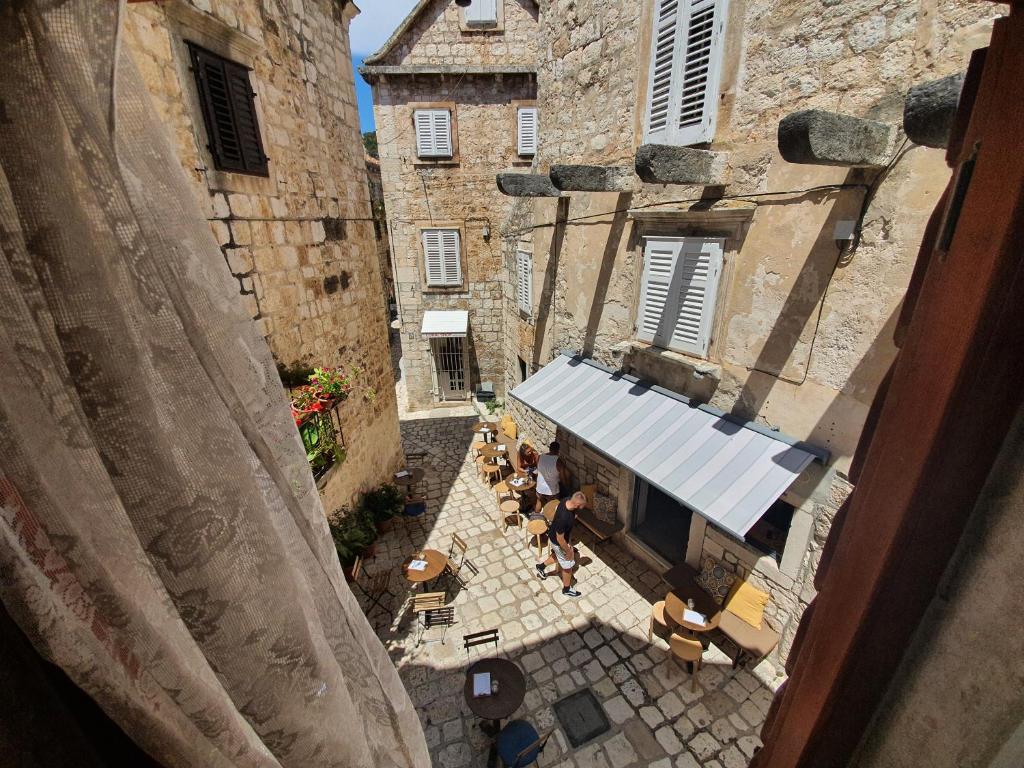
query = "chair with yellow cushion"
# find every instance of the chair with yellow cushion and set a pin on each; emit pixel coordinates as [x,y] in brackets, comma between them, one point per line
[743,623]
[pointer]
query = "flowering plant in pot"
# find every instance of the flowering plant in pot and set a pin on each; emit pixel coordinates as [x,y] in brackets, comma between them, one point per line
[330,384]
[305,402]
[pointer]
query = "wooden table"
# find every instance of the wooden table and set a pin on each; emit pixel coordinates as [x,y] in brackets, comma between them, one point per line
[510,694]
[411,480]
[494,450]
[675,604]
[436,562]
[529,485]
[489,429]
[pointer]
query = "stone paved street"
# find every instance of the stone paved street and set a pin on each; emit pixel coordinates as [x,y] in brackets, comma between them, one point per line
[563,645]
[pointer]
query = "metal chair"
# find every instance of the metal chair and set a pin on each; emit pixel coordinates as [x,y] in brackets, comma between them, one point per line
[480,638]
[519,744]
[432,611]
[374,587]
[690,651]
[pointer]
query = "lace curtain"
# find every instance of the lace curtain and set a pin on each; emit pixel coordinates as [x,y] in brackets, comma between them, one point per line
[161,539]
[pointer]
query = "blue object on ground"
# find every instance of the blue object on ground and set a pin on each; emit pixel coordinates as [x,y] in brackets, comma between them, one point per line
[415,509]
[513,739]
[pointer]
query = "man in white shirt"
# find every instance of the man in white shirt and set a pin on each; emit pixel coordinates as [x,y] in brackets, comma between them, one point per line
[549,476]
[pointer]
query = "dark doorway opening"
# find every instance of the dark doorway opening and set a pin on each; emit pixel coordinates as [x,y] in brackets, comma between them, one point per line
[661,522]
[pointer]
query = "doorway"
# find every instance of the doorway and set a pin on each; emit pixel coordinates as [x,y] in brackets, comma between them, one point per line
[450,364]
[661,522]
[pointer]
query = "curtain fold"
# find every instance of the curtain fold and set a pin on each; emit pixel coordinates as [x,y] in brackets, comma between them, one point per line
[161,538]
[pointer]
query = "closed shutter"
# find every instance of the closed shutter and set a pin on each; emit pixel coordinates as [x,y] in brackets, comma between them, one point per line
[524,281]
[441,258]
[680,285]
[686,56]
[526,133]
[229,113]
[433,132]
[482,12]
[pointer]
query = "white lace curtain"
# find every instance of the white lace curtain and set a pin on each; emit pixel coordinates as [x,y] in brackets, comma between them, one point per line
[161,539]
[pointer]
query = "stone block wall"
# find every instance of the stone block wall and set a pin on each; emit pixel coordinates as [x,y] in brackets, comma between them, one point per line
[301,241]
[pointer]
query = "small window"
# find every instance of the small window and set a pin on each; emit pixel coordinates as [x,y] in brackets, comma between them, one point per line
[524,372]
[769,533]
[229,113]
[685,62]
[433,132]
[680,284]
[526,131]
[524,281]
[482,13]
[441,257]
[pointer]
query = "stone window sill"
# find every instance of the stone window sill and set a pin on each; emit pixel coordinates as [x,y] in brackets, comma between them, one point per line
[697,366]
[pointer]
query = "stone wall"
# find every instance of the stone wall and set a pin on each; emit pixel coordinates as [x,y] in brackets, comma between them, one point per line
[301,241]
[802,334]
[380,230]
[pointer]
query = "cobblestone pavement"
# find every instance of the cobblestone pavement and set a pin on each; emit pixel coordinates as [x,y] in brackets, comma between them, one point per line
[598,641]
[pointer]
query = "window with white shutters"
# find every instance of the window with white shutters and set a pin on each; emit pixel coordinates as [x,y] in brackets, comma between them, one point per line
[441,259]
[482,13]
[680,283]
[524,281]
[433,132]
[686,58]
[526,131]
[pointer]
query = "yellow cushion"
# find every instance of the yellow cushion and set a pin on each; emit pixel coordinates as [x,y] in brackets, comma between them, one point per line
[508,426]
[748,603]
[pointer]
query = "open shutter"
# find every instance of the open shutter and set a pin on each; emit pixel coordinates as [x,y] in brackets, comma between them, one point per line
[450,251]
[524,281]
[432,256]
[686,57]
[657,300]
[697,271]
[526,133]
[482,12]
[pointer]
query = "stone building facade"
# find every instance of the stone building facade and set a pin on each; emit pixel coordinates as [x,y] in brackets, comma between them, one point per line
[380,230]
[799,335]
[298,233]
[479,75]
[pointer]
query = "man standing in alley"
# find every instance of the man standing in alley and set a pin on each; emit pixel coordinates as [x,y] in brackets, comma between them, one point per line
[560,538]
[549,476]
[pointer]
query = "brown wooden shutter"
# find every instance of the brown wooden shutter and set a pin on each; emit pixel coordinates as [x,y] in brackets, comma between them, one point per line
[229,113]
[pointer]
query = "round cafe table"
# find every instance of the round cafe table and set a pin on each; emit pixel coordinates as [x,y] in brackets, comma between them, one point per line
[514,485]
[411,480]
[493,450]
[435,565]
[501,704]
[675,604]
[489,429]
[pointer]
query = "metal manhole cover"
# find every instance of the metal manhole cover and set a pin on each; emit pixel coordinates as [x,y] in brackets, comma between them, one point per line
[581,716]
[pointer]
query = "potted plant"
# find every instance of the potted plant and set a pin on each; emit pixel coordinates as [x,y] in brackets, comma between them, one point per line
[382,504]
[305,402]
[330,384]
[353,536]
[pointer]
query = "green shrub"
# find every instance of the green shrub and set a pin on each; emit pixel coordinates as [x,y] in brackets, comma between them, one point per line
[383,503]
[352,531]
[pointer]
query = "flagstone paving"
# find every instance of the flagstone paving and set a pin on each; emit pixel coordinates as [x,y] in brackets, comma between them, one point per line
[562,645]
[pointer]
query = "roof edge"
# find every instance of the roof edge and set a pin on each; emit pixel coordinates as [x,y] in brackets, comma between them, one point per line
[444,69]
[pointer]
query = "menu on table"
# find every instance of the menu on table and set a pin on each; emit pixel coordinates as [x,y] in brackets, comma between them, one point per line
[417,565]
[694,617]
[481,684]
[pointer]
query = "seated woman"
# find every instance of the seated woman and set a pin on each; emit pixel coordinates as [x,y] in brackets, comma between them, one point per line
[527,458]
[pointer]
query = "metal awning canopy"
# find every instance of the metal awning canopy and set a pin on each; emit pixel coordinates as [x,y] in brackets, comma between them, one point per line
[726,470]
[444,323]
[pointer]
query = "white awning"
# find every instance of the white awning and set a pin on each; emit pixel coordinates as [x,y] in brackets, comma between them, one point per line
[443,323]
[728,471]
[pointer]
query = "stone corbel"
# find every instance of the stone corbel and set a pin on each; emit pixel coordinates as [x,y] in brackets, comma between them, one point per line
[664,164]
[817,137]
[930,111]
[592,178]
[526,185]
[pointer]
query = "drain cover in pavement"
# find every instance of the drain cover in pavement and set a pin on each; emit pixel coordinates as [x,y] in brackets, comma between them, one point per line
[581,716]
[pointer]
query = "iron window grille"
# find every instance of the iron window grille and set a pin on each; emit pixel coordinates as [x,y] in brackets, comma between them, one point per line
[323,440]
[229,113]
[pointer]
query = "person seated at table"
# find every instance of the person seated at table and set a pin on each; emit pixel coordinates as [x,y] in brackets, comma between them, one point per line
[560,539]
[527,458]
[551,475]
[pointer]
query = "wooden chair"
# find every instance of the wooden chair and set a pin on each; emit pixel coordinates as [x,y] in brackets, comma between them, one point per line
[374,587]
[503,492]
[511,514]
[458,543]
[480,638]
[537,528]
[549,510]
[659,617]
[690,651]
[432,611]
[520,745]
[492,472]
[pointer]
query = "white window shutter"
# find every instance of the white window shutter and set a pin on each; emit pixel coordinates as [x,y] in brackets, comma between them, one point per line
[482,12]
[432,257]
[656,297]
[686,61]
[697,272]
[433,132]
[452,262]
[524,281]
[526,133]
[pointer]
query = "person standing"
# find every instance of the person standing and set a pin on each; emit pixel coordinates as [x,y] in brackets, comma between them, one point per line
[560,539]
[549,476]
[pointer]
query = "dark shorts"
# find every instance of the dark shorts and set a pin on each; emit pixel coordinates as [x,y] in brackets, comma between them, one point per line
[544,498]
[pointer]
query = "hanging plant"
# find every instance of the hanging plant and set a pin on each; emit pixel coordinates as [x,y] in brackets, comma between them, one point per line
[330,384]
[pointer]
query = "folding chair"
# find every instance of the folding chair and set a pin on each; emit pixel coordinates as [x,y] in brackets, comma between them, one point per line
[375,588]
[480,638]
[519,744]
[432,611]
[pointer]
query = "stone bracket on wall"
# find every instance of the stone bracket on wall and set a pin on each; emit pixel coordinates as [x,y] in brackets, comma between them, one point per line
[930,111]
[817,137]
[592,178]
[664,164]
[526,185]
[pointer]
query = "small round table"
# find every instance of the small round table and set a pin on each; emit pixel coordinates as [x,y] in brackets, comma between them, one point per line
[494,450]
[489,429]
[675,604]
[411,480]
[436,562]
[537,527]
[529,485]
[510,694]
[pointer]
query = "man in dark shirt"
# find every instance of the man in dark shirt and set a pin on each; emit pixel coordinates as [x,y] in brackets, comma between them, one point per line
[560,538]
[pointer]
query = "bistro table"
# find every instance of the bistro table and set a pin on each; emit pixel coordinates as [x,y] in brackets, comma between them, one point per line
[494,450]
[675,604]
[411,480]
[489,429]
[501,703]
[436,562]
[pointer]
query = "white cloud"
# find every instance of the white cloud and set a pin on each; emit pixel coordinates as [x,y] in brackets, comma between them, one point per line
[376,22]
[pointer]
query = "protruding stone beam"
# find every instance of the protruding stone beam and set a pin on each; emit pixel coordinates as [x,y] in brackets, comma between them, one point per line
[592,178]
[816,137]
[526,185]
[663,164]
[930,111]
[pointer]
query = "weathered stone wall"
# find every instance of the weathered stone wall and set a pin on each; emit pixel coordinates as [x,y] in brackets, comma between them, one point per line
[380,230]
[801,337]
[300,242]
